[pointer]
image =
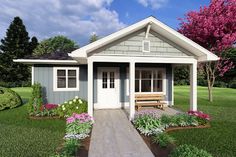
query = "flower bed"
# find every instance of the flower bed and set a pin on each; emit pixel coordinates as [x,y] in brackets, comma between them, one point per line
[76,140]
[152,127]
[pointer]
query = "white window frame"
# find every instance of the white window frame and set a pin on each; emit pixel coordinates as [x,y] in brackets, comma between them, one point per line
[55,88]
[152,69]
[148,46]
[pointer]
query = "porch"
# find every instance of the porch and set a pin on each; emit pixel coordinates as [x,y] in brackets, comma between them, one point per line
[132,66]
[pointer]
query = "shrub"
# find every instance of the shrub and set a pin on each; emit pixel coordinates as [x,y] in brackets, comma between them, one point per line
[36,101]
[9,99]
[78,126]
[165,120]
[202,118]
[147,123]
[70,147]
[189,151]
[232,84]
[75,105]
[163,139]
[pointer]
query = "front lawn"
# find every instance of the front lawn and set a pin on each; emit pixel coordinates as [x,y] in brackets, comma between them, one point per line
[20,136]
[220,139]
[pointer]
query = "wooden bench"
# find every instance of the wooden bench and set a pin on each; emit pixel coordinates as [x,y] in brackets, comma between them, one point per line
[149,100]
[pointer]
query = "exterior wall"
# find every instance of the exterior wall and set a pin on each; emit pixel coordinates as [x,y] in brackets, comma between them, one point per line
[132,46]
[44,75]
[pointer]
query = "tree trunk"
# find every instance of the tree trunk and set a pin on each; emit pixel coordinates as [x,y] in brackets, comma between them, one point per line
[210,72]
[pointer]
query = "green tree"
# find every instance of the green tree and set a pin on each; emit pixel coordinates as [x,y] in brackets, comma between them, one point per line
[55,44]
[33,44]
[14,45]
[93,38]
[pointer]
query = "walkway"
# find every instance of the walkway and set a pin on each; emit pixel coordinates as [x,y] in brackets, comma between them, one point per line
[114,136]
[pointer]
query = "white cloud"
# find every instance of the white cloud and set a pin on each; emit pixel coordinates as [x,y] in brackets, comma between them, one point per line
[154,4]
[76,19]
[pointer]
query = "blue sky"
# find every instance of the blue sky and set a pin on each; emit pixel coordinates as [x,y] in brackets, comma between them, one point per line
[78,19]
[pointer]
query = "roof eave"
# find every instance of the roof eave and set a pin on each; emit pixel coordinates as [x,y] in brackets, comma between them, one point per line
[40,61]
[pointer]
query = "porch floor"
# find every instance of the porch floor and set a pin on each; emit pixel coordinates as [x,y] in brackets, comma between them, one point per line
[114,135]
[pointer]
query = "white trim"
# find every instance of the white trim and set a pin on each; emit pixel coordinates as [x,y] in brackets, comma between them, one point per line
[157,26]
[32,75]
[127,59]
[147,31]
[55,88]
[143,43]
[39,61]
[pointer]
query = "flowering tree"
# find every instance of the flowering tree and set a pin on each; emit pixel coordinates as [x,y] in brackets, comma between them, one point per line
[213,27]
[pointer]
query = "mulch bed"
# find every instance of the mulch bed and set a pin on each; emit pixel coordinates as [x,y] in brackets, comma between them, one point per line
[84,149]
[156,149]
[187,127]
[43,118]
[164,152]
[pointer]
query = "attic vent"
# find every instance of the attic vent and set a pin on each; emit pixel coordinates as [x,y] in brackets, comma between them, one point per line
[146,46]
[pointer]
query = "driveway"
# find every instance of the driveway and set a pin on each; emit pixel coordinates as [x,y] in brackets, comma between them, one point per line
[114,136]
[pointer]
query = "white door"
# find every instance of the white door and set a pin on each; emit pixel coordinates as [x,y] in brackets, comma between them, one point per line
[108,88]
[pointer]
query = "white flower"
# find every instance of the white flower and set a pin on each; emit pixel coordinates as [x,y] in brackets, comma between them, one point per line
[74,100]
[59,104]
[65,102]
[63,108]
[70,102]
[76,97]
[77,107]
[80,101]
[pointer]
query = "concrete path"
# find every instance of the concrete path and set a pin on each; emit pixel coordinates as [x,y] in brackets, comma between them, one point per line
[114,136]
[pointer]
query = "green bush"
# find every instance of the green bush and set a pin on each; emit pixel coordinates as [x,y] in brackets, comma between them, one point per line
[189,151]
[232,84]
[70,147]
[75,105]
[9,99]
[163,139]
[36,101]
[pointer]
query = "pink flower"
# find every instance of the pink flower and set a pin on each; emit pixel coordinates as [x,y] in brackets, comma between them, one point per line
[70,120]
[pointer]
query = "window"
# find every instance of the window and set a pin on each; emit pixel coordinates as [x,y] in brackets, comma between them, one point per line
[148,80]
[146,46]
[108,80]
[65,78]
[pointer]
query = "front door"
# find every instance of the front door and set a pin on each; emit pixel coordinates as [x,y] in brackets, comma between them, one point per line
[108,88]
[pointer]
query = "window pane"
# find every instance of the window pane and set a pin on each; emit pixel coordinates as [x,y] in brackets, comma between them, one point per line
[112,80]
[157,85]
[104,80]
[72,73]
[71,82]
[136,85]
[61,82]
[61,72]
[137,74]
[146,74]
[146,86]
[160,74]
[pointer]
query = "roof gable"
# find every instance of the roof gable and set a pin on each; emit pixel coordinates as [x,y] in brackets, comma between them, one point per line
[170,34]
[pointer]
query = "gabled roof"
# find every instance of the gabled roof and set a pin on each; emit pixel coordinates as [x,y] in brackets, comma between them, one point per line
[201,53]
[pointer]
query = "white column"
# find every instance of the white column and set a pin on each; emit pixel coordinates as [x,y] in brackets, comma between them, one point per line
[172,84]
[193,86]
[90,87]
[131,90]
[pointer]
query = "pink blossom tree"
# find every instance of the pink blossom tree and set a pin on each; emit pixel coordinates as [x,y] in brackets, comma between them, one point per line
[213,27]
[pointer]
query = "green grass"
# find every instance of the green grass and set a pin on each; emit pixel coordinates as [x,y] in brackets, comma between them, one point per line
[20,136]
[220,139]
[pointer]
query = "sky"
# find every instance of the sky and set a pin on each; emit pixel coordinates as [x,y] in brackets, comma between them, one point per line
[78,19]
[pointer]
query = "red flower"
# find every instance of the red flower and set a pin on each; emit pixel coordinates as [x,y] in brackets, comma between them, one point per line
[50,106]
